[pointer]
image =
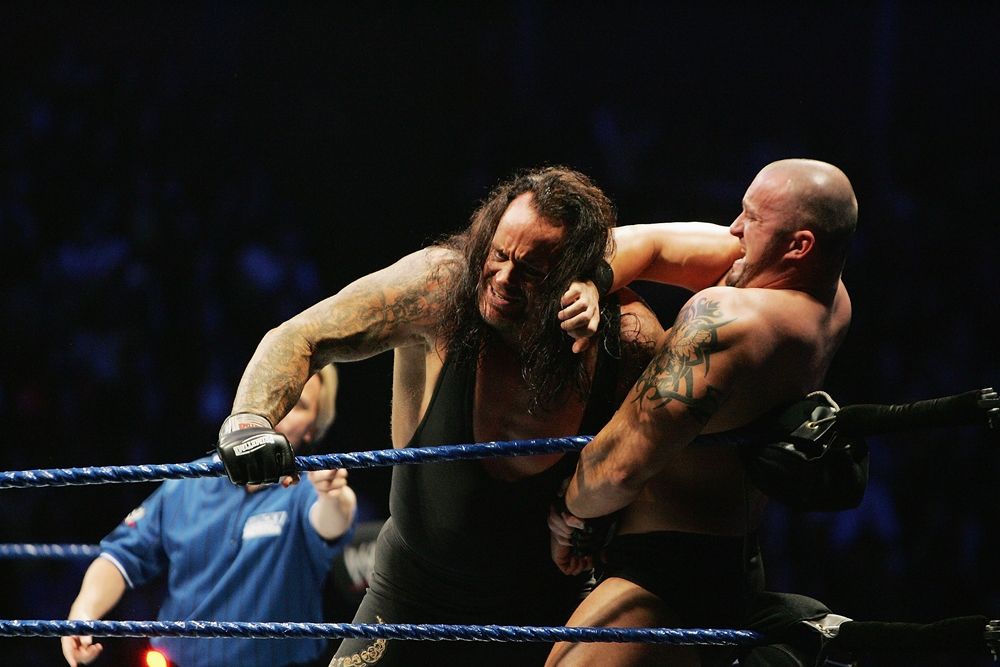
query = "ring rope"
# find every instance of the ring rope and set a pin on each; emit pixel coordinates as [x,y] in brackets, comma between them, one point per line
[365,459]
[431,632]
[369,459]
[964,408]
[49,551]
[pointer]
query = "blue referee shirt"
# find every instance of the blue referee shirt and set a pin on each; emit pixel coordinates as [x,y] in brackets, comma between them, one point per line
[229,555]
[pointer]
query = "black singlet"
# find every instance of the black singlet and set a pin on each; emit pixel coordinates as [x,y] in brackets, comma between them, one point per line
[462,547]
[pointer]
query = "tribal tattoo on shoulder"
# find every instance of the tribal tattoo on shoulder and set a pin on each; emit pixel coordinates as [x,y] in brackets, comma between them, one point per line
[685,356]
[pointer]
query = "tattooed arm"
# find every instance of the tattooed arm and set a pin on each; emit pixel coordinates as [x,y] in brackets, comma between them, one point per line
[394,307]
[694,255]
[684,385]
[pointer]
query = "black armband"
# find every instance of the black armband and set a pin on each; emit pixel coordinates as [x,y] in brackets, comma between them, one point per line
[603,278]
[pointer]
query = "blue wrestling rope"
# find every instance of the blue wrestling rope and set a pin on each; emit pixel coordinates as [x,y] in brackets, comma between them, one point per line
[372,459]
[432,632]
[964,408]
[49,551]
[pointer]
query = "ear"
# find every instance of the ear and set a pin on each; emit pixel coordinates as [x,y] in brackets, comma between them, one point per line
[800,244]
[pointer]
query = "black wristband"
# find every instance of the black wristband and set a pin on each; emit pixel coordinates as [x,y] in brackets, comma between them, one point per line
[603,278]
[595,535]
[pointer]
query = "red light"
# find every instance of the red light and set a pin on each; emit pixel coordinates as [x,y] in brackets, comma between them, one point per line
[155,659]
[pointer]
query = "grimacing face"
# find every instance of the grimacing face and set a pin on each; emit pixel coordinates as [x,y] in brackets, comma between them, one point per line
[521,254]
[760,227]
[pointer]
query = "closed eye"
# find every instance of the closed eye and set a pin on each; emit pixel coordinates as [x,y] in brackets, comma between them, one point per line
[533,273]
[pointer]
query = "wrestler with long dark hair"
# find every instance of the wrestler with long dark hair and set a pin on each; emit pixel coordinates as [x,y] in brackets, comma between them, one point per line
[480,354]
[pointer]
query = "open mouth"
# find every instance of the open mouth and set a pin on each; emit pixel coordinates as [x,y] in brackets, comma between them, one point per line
[739,261]
[502,298]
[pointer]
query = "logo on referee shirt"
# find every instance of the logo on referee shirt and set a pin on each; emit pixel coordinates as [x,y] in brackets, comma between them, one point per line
[267,524]
[253,444]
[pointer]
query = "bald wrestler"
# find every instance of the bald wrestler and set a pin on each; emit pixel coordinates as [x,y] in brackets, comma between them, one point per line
[685,551]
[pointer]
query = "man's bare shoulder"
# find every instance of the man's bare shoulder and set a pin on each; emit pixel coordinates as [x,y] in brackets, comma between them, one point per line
[639,322]
[842,301]
[440,255]
[639,332]
[728,298]
[396,306]
[739,310]
[430,261]
[748,302]
[423,273]
[770,313]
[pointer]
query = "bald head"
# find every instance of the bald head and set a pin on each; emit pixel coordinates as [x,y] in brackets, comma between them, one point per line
[797,220]
[818,195]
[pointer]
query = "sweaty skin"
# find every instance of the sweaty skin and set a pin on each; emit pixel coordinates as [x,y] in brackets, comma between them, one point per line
[398,308]
[764,337]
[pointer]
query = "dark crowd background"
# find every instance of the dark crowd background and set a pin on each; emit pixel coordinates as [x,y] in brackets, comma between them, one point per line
[175,179]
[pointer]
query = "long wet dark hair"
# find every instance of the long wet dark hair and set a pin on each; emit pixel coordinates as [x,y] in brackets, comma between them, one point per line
[548,365]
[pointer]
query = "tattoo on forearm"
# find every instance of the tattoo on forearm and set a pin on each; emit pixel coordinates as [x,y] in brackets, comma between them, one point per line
[375,317]
[353,325]
[381,320]
[672,376]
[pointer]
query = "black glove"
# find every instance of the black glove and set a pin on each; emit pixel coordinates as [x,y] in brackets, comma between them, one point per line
[254,455]
[596,533]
